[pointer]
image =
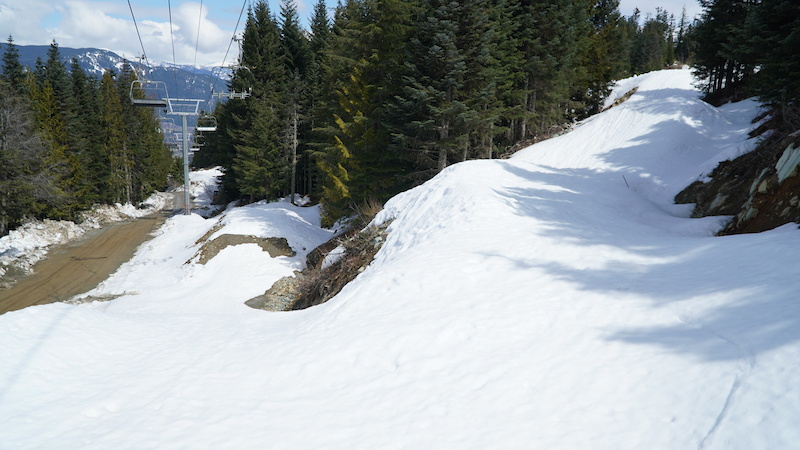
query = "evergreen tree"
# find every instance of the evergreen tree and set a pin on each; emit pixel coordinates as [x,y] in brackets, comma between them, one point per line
[259,168]
[119,176]
[774,25]
[608,55]
[27,183]
[555,42]
[318,109]
[433,98]
[297,57]
[65,129]
[13,71]
[148,159]
[653,47]
[85,135]
[365,72]
[717,55]
[50,124]
[505,75]
[682,41]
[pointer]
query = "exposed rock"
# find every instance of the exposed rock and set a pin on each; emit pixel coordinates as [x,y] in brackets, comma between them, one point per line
[280,297]
[760,188]
[622,99]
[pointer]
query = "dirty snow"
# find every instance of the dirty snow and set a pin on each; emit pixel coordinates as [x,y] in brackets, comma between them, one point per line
[556,300]
[25,246]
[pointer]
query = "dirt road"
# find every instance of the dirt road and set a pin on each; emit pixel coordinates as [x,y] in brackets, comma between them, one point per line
[79,267]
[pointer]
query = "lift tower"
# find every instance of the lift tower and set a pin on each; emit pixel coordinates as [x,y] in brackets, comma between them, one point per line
[154,94]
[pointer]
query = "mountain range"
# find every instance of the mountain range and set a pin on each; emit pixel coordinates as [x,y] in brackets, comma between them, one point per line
[183,81]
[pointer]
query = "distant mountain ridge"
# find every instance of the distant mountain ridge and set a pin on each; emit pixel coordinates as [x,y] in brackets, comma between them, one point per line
[183,81]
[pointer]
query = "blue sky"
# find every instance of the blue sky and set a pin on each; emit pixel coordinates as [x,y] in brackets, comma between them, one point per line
[108,24]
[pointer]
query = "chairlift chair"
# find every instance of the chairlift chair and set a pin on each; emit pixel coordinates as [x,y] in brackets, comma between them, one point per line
[206,123]
[151,94]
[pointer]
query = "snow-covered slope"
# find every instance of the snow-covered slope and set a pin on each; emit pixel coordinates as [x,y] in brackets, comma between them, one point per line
[557,300]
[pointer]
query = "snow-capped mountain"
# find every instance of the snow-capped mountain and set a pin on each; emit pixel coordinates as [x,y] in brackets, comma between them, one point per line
[183,81]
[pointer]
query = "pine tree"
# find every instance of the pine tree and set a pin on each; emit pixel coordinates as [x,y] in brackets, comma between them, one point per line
[318,109]
[13,71]
[84,135]
[66,139]
[115,145]
[259,166]
[50,124]
[437,114]
[608,55]
[555,41]
[297,57]
[27,183]
[682,42]
[506,70]
[717,53]
[364,72]
[774,25]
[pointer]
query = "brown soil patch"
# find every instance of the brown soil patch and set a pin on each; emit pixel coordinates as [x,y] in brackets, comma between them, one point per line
[273,245]
[80,266]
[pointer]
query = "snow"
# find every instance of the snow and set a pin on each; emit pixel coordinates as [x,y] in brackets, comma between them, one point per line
[558,299]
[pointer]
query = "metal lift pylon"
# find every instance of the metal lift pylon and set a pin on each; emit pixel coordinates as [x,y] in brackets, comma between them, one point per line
[147,94]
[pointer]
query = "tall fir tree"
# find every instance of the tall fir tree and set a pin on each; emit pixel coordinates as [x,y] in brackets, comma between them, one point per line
[13,71]
[365,71]
[119,176]
[258,167]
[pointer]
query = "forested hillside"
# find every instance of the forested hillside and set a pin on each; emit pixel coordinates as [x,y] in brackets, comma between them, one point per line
[69,140]
[390,92]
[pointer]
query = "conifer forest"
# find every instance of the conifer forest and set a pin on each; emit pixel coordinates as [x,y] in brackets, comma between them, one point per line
[376,96]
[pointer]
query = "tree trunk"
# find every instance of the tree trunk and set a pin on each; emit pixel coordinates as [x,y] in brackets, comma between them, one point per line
[294,153]
[444,133]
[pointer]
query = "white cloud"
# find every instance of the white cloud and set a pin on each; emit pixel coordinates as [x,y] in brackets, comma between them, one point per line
[22,20]
[210,40]
[107,25]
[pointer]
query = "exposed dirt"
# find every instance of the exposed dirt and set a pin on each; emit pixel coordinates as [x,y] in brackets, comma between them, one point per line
[75,268]
[274,245]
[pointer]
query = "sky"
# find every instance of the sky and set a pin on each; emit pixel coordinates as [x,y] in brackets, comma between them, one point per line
[108,25]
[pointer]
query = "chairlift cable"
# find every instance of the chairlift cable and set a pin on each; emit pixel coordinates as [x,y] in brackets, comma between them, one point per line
[196,47]
[144,54]
[211,80]
[172,39]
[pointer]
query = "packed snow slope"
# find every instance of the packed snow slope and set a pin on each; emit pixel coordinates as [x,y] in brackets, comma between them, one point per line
[557,300]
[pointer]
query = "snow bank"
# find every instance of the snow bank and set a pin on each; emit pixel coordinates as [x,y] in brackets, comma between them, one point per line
[203,184]
[554,300]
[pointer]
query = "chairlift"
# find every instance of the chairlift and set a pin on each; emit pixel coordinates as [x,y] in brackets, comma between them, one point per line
[233,94]
[206,123]
[151,94]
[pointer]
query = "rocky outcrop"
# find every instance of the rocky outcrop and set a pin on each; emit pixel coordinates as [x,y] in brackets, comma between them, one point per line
[760,189]
[318,282]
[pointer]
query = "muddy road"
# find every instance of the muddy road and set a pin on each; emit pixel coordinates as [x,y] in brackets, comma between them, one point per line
[78,267]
